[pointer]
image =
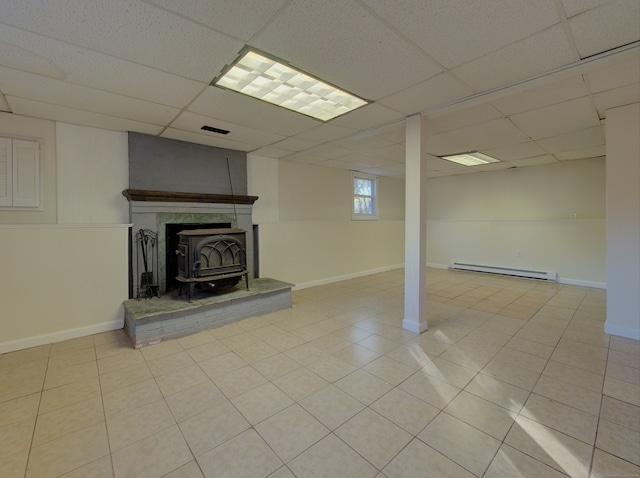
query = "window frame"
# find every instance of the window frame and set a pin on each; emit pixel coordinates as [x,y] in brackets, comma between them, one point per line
[374,196]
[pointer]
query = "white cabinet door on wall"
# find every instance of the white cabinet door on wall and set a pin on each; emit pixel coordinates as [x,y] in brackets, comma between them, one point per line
[19,173]
[6,172]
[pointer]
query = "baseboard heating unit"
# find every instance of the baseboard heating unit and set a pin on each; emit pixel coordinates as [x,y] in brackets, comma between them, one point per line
[550,276]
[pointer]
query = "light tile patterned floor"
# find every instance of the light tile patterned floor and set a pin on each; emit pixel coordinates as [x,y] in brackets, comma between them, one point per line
[514,378]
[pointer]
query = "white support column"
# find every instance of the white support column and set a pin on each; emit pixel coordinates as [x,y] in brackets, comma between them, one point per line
[415,246]
[623,221]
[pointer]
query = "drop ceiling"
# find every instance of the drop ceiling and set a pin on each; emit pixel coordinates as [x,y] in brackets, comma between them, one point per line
[528,82]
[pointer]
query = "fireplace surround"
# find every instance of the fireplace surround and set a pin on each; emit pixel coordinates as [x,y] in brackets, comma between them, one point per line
[153,210]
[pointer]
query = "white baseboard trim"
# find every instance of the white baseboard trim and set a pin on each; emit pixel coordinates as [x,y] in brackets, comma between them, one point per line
[432,265]
[582,283]
[621,331]
[560,280]
[34,341]
[331,280]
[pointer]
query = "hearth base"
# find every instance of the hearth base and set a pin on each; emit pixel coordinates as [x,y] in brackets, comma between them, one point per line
[149,321]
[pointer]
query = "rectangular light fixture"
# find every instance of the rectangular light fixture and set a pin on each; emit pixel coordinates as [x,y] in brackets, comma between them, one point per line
[472,158]
[266,78]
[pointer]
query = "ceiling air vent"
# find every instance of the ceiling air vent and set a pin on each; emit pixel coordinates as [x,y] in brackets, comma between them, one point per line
[215,130]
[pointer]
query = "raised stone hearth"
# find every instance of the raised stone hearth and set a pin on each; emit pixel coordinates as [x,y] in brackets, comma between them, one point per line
[149,321]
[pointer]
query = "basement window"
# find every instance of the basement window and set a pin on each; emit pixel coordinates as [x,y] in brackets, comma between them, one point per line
[365,196]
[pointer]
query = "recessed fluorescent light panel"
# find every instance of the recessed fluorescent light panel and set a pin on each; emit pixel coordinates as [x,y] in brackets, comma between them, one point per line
[472,158]
[263,77]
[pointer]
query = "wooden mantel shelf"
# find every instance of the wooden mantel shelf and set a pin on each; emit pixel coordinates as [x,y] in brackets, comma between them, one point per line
[170,196]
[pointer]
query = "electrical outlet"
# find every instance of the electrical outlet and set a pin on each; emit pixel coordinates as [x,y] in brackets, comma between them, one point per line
[574,216]
[519,253]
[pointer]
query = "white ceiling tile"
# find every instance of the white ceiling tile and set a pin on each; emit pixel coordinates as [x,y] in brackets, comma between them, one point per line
[48,90]
[466,117]
[556,92]
[4,106]
[492,134]
[469,170]
[395,133]
[332,151]
[218,141]
[366,144]
[341,164]
[573,115]
[271,152]
[376,162]
[608,26]
[296,144]
[516,151]
[36,109]
[618,97]
[238,19]
[587,137]
[615,76]
[573,7]
[135,31]
[492,166]
[368,116]
[393,171]
[582,153]
[519,61]
[139,65]
[344,44]
[440,90]
[457,32]
[58,60]
[193,123]
[442,165]
[19,50]
[394,153]
[240,109]
[362,160]
[535,161]
[326,132]
[444,144]
[307,158]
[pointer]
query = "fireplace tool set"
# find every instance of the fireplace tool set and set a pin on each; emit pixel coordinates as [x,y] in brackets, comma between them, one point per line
[147,240]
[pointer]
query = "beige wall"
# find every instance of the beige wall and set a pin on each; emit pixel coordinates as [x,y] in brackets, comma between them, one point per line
[93,170]
[60,282]
[45,133]
[522,218]
[262,181]
[316,193]
[518,218]
[548,192]
[315,241]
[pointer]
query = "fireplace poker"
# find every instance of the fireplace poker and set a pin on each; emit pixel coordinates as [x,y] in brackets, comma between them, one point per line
[144,240]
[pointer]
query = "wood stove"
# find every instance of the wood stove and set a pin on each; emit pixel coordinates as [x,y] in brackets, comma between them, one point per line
[213,257]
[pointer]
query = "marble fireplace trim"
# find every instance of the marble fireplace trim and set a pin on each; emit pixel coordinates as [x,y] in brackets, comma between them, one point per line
[154,215]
